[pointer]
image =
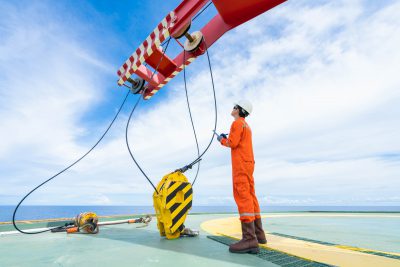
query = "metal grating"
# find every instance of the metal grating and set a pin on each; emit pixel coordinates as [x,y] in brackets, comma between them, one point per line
[274,256]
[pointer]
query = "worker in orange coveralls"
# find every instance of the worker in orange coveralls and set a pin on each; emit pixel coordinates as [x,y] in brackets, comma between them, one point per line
[239,140]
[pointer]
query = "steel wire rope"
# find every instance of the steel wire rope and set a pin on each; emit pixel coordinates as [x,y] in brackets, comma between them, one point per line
[201,11]
[60,172]
[188,104]
[130,116]
[190,115]
[197,160]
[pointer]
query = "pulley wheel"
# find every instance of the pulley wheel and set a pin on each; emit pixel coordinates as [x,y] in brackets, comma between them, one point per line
[137,85]
[197,38]
[182,32]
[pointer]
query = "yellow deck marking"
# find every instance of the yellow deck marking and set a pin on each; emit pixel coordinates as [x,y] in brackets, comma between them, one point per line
[334,255]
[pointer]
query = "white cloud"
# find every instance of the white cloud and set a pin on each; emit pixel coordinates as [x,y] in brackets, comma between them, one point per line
[323,81]
[48,81]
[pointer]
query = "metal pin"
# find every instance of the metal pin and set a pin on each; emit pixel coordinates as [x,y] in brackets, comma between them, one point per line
[190,38]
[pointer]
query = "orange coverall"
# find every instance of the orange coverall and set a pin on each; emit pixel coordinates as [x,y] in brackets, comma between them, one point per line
[239,140]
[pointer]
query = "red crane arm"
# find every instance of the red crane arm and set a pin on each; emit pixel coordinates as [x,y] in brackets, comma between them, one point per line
[231,13]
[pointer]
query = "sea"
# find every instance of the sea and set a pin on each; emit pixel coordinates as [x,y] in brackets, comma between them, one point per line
[46,212]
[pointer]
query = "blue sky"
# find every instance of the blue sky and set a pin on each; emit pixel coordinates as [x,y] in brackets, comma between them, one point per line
[322,76]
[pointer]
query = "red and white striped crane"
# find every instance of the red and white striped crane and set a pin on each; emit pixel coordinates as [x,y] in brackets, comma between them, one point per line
[231,13]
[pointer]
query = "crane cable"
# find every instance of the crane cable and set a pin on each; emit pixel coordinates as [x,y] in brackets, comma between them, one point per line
[130,116]
[197,160]
[65,169]
[191,117]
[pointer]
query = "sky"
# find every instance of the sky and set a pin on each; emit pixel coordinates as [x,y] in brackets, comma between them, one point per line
[323,77]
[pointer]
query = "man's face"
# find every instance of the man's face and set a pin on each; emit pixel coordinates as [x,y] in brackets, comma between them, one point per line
[235,111]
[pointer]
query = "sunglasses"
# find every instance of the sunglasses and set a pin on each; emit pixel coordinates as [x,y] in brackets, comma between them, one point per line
[235,107]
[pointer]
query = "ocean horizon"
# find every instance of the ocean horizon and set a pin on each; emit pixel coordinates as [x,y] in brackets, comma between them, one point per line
[35,212]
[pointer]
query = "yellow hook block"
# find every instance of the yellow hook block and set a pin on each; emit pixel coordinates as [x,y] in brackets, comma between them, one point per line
[172,204]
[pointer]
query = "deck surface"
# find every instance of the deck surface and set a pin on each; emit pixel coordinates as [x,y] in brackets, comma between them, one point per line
[126,245]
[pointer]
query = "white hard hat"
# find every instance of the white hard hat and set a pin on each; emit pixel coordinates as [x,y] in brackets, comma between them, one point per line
[246,105]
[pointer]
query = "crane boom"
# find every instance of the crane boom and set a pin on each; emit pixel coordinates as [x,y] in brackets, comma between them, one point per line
[231,13]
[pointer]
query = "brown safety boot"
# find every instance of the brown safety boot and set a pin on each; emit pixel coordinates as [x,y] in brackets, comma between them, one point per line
[249,243]
[260,232]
